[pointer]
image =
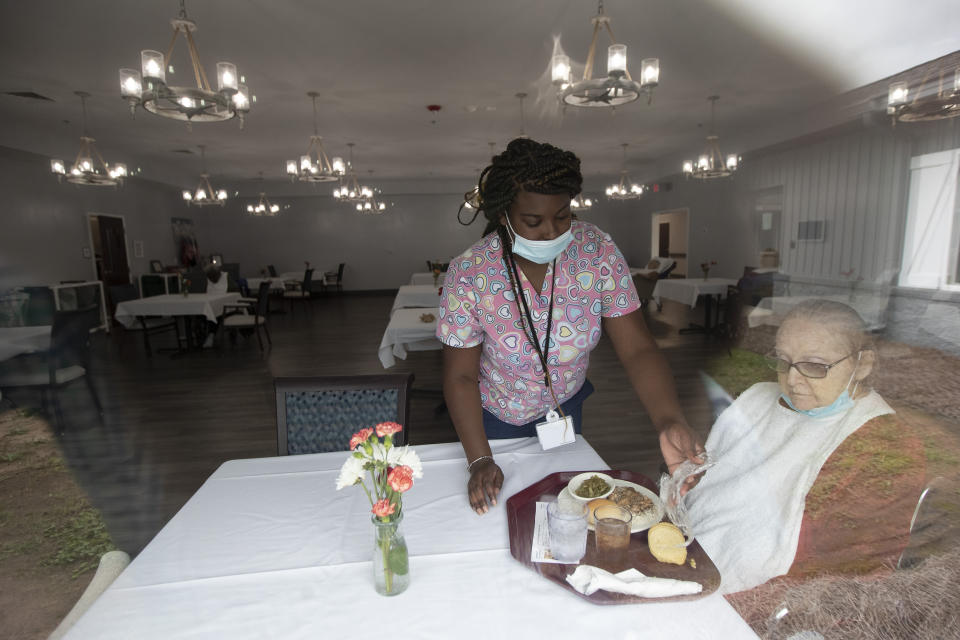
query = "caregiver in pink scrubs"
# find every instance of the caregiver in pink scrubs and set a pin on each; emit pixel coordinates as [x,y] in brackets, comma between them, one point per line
[522,309]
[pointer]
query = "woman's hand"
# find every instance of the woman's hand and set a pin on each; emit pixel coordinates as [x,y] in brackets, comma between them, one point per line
[678,443]
[483,489]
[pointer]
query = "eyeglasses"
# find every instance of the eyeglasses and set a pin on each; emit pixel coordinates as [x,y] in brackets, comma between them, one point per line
[806,369]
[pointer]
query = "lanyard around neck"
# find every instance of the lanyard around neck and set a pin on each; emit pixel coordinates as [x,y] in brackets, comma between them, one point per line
[522,303]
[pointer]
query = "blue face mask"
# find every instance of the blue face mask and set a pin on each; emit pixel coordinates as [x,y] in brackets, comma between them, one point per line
[843,402]
[539,251]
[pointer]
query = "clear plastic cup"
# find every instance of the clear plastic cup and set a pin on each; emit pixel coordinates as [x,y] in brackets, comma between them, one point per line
[567,524]
[612,536]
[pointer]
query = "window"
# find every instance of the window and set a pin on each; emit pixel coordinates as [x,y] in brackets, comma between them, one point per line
[811,230]
[931,244]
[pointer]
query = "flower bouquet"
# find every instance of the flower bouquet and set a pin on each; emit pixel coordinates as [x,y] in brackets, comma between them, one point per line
[392,470]
[705,266]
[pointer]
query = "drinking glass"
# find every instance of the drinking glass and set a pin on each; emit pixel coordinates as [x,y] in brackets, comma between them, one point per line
[612,537]
[567,525]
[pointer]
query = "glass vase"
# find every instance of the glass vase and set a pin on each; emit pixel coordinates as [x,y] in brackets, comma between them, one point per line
[391,566]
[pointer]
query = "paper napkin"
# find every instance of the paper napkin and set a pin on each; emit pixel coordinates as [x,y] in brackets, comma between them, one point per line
[587,579]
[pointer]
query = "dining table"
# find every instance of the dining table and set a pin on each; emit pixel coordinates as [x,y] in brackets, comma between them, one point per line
[176,305]
[15,341]
[408,330]
[426,277]
[688,291]
[416,295]
[268,548]
[276,284]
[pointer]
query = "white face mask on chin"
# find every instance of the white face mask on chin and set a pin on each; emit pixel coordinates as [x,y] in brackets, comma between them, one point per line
[539,251]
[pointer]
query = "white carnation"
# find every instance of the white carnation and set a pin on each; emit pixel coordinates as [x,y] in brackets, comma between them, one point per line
[405,456]
[379,452]
[350,473]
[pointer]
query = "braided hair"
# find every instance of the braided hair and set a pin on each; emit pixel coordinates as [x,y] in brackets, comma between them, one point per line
[537,167]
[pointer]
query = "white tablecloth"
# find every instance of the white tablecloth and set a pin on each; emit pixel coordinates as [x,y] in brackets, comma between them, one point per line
[15,341]
[209,305]
[267,548]
[687,290]
[416,295]
[425,277]
[407,332]
[254,284]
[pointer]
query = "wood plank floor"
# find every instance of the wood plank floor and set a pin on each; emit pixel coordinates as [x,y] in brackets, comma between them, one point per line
[171,421]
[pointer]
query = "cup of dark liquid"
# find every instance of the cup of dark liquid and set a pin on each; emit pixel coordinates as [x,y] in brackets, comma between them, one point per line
[612,537]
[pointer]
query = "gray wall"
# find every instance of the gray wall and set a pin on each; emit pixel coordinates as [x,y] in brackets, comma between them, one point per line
[44,228]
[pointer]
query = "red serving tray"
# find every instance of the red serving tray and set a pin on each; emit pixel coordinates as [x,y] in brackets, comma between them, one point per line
[521,513]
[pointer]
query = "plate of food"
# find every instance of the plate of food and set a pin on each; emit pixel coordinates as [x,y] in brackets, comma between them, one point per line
[644,504]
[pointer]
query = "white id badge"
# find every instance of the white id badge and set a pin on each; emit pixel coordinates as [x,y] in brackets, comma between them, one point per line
[555,431]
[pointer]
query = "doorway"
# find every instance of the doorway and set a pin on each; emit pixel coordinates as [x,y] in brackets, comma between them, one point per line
[663,250]
[668,237]
[108,238]
[768,209]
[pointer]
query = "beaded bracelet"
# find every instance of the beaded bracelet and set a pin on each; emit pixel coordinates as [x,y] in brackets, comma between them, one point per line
[470,466]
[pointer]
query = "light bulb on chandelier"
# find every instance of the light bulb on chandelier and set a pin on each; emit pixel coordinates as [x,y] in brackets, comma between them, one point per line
[617,88]
[148,87]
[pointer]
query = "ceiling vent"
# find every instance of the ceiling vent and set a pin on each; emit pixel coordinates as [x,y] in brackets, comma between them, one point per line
[30,95]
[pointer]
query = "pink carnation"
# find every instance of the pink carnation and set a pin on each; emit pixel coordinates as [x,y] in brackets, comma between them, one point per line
[360,437]
[400,478]
[385,429]
[383,508]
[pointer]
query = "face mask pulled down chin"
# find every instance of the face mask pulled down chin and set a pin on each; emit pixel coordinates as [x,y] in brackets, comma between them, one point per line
[843,402]
[539,251]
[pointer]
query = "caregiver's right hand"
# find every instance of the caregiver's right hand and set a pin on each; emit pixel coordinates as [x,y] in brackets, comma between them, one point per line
[483,488]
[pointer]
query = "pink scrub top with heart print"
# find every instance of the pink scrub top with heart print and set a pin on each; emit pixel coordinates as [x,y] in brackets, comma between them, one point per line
[478,308]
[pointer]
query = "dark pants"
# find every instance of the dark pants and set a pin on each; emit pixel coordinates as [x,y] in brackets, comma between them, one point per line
[572,407]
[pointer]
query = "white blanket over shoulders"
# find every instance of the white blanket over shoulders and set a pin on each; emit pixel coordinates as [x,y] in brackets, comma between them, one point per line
[747,510]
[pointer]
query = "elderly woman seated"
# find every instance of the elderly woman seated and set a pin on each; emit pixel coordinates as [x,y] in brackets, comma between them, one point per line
[813,473]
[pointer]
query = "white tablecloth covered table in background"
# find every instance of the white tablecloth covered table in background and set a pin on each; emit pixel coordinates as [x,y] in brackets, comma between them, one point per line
[276,284]
[407,332]
[267,548]
[687,290]
[417,295]
[209,305]
[426,277]
[15,341]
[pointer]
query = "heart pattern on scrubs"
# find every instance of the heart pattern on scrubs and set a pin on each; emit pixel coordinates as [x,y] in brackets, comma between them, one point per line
[591,282]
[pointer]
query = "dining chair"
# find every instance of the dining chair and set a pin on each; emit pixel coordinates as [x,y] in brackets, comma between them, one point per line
[251,316]
[272,271]
[319,414]
[646,286]
[232,269]
[148,325]
[299,290]
[730,315]
[335,278]
[67,359]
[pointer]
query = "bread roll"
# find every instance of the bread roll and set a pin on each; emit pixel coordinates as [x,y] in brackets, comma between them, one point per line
[666,543]
[594,504]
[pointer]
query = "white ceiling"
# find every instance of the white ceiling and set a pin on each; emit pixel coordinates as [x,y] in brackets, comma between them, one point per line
[378,64]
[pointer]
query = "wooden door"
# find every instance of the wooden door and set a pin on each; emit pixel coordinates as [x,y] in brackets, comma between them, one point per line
[113,249]
[663,250]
